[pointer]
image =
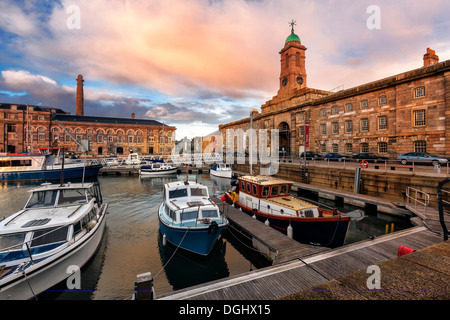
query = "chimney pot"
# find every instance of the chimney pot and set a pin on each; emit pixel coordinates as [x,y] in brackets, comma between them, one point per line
[430,58]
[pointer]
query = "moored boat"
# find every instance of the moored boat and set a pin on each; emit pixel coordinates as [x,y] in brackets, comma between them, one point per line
[55,234]
[158,168]
[268,199]
[26,167]
[189,219]
[221,170]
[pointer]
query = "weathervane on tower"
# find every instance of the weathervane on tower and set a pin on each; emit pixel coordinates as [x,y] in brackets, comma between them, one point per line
[292,24]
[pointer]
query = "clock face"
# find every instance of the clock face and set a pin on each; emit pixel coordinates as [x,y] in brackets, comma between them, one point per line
[299,80]
[284,82]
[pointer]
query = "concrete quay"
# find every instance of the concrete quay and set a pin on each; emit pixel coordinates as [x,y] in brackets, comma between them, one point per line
[420,275]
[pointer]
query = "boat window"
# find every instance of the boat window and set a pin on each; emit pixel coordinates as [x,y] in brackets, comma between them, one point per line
[10,240]
[210,214]
[265,191]
[274,191]
[255,190]
[42,199]
[76,228]
[48,236]
[248,187]
[200,192]
[71,196]
[283,190]
[189,215]
[172,214]
[177,193]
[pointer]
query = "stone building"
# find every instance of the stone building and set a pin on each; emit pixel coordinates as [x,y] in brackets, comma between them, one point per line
[28,127]
[402,113]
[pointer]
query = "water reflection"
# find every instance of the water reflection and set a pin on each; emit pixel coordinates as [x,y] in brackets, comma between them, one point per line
[184,269]
[132,241]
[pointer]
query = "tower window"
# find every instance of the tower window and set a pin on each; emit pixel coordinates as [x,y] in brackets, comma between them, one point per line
[287,60]
[297,59]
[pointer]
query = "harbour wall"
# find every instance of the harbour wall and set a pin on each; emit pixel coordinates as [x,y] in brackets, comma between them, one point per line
[386,184]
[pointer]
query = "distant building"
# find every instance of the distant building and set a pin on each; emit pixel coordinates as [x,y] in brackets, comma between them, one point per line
[27,127]
[402,113]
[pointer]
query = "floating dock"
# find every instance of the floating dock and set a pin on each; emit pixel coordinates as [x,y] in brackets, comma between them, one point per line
[299,267]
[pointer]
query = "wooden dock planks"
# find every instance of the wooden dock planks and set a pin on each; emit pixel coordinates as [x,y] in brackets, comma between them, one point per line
[281,247]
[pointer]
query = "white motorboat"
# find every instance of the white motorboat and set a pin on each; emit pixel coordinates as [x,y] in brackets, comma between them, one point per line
[158,168]
[221,170]
[59,230]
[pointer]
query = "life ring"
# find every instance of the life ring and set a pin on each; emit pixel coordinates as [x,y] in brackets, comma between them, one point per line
[364,164]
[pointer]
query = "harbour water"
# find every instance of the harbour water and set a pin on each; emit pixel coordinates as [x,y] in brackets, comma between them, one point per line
[132,242]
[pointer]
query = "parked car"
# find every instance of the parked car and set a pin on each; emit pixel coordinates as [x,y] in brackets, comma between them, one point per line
[311,156]
[420,157]
[334,157]
[369,157]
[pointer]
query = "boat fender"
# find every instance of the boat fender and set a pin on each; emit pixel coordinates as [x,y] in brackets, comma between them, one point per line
[213,227]
[91,224]
[290,231]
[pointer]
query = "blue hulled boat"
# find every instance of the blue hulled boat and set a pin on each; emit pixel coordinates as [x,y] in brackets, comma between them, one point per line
[20,167]
[189,219]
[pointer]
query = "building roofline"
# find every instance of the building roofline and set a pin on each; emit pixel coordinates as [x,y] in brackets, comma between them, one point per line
[108,120]
[380,84]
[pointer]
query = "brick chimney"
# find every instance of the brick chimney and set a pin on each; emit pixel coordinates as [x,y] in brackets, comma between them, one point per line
[430,58]
[80,96]
[132,116]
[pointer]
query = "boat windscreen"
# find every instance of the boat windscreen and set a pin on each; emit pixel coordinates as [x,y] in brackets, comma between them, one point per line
[199,192]
[189,215]
[12,241]
[72,196]
[177,193]
[42,199]
[210,214]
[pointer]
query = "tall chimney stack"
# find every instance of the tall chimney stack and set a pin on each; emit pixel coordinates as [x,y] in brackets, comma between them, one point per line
[430,58]
[80,96]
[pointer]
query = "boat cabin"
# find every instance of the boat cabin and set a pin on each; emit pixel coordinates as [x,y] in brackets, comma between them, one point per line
[262,187]
[187,201]
[52,217]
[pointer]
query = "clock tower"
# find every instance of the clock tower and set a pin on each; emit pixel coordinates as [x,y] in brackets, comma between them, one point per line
[293,71]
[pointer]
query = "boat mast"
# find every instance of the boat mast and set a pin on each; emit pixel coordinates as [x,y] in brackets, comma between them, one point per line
[251,142]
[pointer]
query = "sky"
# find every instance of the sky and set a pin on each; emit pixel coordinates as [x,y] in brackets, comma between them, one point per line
[200,63]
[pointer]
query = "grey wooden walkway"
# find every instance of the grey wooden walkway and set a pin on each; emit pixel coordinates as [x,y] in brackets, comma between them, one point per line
[305,272]
[268,241]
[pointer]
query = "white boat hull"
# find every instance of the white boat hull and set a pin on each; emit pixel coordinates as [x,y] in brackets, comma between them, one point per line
[45,274]
[158,172]
[221,173]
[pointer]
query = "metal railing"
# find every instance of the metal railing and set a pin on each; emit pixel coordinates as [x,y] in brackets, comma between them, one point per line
[417,197]
[443,203]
